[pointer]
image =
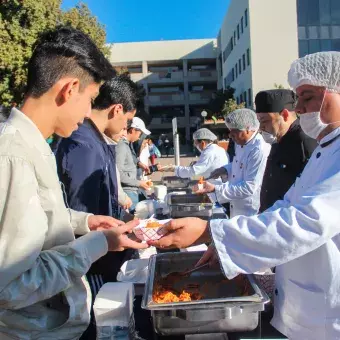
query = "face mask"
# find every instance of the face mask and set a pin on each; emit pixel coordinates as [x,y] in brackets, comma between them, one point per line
[198,148]
[311,124]
[269,138]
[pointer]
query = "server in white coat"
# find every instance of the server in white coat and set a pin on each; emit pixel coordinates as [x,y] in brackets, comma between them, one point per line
[300,234]
[212,156]
[245,173]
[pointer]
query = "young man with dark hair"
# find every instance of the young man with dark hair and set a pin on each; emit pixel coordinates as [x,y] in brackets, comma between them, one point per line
[43,292]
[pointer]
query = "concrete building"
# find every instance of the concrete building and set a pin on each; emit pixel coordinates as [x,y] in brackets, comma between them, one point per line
[259,39]
[256,45]
[179,78]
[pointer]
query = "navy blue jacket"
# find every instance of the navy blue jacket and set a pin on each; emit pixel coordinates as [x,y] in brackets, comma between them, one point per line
[86,166]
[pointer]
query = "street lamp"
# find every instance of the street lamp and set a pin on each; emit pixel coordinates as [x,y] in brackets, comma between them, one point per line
[204,114]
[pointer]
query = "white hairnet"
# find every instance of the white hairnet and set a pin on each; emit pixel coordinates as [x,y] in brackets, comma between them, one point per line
[242,119]
[318,69]
[204,134]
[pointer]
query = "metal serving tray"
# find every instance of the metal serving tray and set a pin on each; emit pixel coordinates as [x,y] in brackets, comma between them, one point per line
[190,205]
[174,182]
[220,310]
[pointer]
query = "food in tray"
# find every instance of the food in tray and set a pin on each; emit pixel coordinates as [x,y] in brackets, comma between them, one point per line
[201,180]
[168,295]
[149,183]
[153,224]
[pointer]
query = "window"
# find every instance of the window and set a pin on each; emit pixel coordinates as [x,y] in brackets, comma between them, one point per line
[242,25]
[336,45]
[225,82]
[248,57]
[240,66]
[244,61]
[326,45]
[245,97]
[325,12]
[236,70]
[241,98]
[238,32]
[237,100]
[335,32]
[246,17]
[250,101]
[233,73]
[303,48]
[235,42]
[313,46]
[335,12]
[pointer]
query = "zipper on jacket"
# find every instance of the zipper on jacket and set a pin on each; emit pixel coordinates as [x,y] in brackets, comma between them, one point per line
[65,199]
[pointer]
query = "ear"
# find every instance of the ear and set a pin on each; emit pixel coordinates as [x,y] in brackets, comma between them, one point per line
[284,114]
[115,110]
[67,91]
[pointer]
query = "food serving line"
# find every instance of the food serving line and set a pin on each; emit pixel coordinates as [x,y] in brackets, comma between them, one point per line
[195,306]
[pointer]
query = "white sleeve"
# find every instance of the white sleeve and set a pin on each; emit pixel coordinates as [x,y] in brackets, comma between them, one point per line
[199,168]
[79,222]
[282,233]
[28,273]
[253,176]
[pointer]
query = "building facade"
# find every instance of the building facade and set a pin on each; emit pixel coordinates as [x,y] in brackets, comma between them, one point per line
[318,26]
[179,78]
[256,46]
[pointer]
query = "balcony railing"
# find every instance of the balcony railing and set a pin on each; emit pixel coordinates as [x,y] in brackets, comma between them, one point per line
[166,99]
[202,75]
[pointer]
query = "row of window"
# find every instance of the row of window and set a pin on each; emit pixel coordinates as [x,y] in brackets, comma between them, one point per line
[246,98]
[319,32]
[318,12]
[237,34]
[317,45]
[236,71]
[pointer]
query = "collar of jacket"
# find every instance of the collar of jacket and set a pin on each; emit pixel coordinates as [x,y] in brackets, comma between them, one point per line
[91,129]
[330,138]
[251,140]
[29,131]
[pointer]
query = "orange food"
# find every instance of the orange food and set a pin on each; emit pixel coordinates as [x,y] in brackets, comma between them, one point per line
[153,224]
[201,180]
[149,183]
[164,295]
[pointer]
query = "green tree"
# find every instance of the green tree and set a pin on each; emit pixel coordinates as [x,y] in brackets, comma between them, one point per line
[21,22]
[230,105]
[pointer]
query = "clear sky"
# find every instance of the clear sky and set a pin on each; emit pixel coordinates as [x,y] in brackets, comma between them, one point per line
[145,20]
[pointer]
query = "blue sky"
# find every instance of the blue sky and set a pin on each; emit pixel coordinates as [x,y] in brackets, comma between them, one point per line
[144,20]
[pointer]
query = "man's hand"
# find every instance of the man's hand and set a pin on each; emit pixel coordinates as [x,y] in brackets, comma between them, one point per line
[144,167]
[207,188]
[145,185]
[128,203]
[99,222]
[221,172]
[119,240]
[193,163]
[183,233]
[210,256]
[169,168]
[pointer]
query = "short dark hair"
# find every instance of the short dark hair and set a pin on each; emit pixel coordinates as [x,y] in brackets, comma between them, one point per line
[118,90]
[61,52]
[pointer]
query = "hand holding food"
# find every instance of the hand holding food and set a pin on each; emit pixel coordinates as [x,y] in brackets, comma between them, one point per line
[204,188]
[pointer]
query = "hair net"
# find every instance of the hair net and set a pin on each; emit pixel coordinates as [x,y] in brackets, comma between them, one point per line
[204,134]
[318,69]
[242,119]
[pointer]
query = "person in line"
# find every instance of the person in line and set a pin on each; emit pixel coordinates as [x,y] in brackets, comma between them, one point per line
[245,173]
[154,152]
[43,291]
[127,161]
[86,165]
[299,234]
[291,147]
[112,139]
[212,156]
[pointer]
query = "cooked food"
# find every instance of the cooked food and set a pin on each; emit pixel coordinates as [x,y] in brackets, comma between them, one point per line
[201,180]
[153,224]
[166,295]
[149,183]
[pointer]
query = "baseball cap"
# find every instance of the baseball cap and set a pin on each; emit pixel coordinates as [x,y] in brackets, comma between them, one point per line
[138,124]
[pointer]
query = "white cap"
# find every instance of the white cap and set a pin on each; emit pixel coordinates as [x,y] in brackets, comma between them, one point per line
[138,124]
[204,134]
[242,119]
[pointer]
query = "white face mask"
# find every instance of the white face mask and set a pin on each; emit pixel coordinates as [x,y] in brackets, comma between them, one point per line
[269,138]
[311,124]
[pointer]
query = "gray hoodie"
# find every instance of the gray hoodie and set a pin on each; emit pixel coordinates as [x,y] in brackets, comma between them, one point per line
[127,166]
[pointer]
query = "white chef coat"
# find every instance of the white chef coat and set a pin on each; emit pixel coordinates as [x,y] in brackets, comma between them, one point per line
[211,158]
[299,235]
[245,175]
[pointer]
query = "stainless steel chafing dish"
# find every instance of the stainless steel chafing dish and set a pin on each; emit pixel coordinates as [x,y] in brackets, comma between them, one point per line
[175,183]
[220,310]
[190,205]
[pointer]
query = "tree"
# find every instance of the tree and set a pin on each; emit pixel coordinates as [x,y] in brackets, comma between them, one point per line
[230,106]
[121,69]
[279,86]
[21,22]
[216,104]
